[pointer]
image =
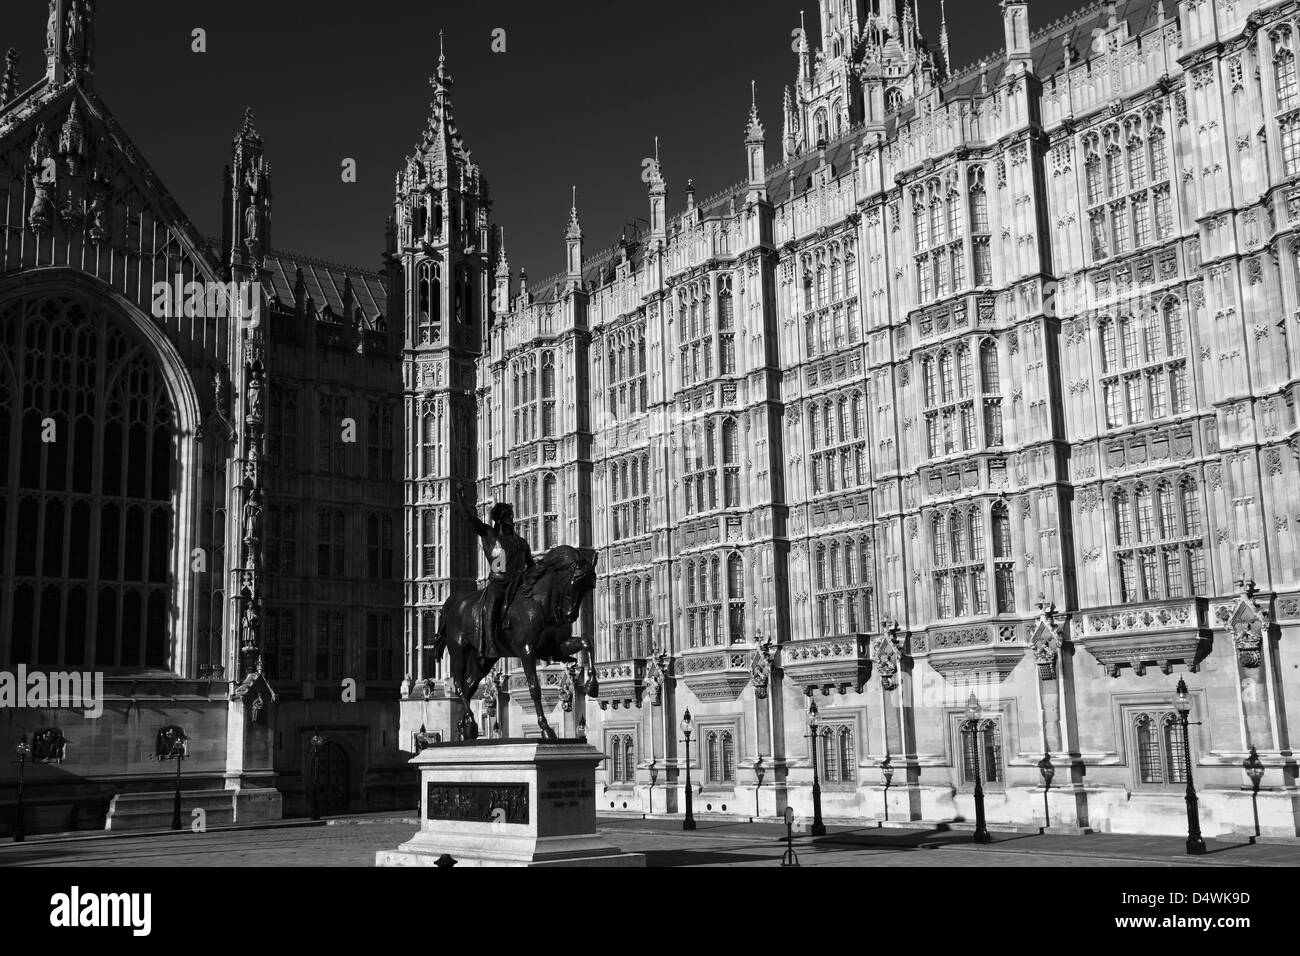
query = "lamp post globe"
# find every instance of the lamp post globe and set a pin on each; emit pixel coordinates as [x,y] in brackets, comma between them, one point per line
[1183,704]
[688,822]
[818,827]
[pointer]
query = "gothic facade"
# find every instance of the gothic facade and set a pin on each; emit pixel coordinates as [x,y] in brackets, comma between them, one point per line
[971,420]
[200,480]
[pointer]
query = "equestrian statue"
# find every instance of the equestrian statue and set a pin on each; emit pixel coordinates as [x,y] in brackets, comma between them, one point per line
[526,611]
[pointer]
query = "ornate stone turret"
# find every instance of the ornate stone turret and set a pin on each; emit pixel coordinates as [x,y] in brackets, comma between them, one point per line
[501,277]
[755,152]
[248,205]
[1015,21]
[658,200]
[573,241]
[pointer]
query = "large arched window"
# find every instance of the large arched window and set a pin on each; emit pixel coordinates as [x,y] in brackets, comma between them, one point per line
[86,454]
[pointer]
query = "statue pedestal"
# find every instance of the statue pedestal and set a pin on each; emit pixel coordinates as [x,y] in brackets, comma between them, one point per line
[508,803]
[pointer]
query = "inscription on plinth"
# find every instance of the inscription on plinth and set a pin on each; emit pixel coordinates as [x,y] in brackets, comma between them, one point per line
[478,802]
[567,793]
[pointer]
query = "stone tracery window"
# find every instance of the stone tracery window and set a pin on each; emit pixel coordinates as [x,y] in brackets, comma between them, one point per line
[1126,173]
[625,372]
[962,564]
[839,758]
[632,627]
[1158,539]
[629,493]
[109,473]
[720,757]
[981,746]
[1144,365]
[703,602]
[837,443]
[844,585]
[1161,760]
[524,395]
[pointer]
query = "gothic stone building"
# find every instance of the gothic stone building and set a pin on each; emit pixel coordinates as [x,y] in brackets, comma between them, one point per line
[971,420]
[200,492]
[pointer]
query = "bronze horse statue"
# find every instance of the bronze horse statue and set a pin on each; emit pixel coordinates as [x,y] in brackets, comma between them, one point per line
[548,601]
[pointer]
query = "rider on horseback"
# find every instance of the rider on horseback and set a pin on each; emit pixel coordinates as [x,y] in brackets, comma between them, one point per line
[508,557]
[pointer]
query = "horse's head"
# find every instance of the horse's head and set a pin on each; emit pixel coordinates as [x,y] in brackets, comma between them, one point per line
[560,581]
[582,579]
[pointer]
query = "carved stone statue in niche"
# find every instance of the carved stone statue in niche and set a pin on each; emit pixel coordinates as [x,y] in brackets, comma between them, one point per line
[253,518]
[52,28]
[250,624]
[251,219]
[99,207]
[760,668]
[76,43]
[254,415]
[220,381]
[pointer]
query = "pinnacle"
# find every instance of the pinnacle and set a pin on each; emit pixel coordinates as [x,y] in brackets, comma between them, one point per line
[249,131]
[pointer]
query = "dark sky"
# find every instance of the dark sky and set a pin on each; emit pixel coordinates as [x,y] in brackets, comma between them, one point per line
[577,98]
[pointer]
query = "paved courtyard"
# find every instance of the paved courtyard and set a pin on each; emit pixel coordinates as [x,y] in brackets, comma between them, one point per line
[353,842]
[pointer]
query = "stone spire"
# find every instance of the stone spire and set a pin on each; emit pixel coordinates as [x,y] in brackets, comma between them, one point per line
[805,58]
[441,142]
[754,132]
[790,137]
[573,230]
[573,242]
[943,40]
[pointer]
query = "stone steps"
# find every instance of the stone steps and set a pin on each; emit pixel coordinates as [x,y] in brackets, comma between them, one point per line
[153,811]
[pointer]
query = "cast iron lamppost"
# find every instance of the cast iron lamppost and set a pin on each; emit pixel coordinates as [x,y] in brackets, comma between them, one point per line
[688,823]
[171,746]
[20,830]
[654,776]
[1254,768]
[1047,771]
[317,741]
[973,722]
[759,771]
[887,771]
[818,828]
[1183,704]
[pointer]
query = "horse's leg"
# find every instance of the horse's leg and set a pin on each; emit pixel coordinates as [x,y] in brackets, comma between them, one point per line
[592,686]
[535,691]
[471,679]
[575,646]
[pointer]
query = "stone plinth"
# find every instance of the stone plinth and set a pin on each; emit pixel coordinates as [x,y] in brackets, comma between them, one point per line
[508,803]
